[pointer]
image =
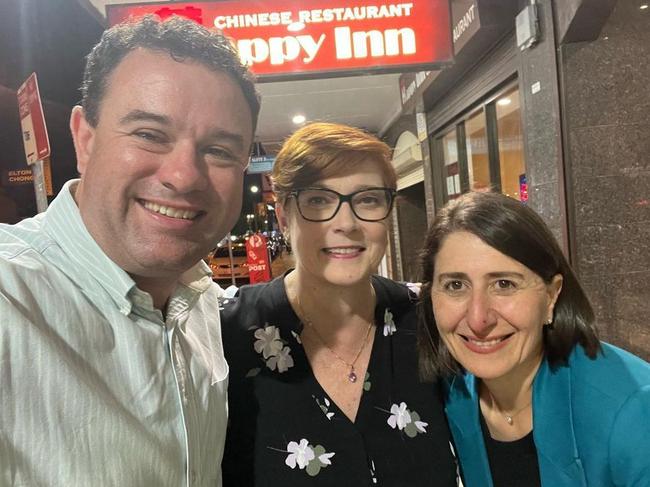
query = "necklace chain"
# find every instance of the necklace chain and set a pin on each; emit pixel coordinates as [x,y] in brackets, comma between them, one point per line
[352,376]
[508,417]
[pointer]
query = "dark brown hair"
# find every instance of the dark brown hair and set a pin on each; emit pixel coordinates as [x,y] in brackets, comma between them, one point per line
[320,150]
[515,230]
[182,38]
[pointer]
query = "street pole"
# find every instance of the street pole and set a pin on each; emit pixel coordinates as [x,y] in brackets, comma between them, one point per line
[232,261]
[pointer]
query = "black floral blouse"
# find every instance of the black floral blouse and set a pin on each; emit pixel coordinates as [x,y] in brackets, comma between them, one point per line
[283,429]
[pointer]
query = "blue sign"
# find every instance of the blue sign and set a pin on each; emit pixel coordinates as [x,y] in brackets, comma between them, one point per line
[260,164]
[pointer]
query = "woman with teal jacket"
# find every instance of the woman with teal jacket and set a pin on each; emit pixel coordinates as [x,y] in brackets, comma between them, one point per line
[533,398]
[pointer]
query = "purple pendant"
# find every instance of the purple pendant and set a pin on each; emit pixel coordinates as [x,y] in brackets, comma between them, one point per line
[352,377]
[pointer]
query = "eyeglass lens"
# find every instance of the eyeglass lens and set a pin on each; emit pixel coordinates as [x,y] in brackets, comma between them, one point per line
[322,204]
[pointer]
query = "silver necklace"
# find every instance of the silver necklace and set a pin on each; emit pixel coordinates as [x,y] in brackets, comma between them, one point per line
[510,418]
[352,376]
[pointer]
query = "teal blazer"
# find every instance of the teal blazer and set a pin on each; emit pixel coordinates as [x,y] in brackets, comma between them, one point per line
[591,422]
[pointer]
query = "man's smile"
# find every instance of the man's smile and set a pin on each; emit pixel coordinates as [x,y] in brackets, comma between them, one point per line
[171,211]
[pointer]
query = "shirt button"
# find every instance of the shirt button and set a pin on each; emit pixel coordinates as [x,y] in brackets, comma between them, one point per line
[193,476]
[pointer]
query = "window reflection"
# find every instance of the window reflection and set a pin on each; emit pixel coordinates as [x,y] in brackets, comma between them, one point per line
[511,147]
[451,168]
[478,165]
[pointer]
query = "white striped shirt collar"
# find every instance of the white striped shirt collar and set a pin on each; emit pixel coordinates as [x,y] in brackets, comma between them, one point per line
[63,223]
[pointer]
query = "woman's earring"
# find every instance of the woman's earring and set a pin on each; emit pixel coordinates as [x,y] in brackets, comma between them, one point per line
[548,322]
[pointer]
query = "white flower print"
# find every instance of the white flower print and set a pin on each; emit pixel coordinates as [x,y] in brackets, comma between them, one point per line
[307,457]
[325,458]
[373,472]
[283,360]
[275,353]
[324,407]
[421,426]
[399,417]
[299,454]
[322,460]
[415,426]
[296,336]
[389,324]
[268,341]
[405,420]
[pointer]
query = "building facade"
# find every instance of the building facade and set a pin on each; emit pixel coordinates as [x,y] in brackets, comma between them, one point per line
[547,102]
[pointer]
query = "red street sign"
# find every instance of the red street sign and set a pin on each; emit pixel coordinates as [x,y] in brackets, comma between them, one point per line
[32,121]
[312,38]
[259,267]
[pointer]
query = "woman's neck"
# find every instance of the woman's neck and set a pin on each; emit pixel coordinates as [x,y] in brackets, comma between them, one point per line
[514,390]
[506,402]
[323,302]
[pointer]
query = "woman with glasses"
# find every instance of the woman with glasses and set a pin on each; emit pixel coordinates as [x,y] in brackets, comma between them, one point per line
[324,387]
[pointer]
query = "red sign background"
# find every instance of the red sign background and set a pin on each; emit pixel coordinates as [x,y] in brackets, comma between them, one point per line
[259,267]
[328,29]
[29,105]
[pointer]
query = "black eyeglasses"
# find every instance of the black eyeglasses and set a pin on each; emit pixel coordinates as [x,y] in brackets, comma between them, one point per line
[321,205]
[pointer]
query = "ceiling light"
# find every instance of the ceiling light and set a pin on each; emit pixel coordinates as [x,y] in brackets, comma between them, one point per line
[298,119]
[643,7]
[254,189]
[504,102]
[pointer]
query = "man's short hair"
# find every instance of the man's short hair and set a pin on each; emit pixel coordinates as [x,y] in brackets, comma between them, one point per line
[181,38]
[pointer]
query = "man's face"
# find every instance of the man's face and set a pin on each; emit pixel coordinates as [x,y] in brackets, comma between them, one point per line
[162,171]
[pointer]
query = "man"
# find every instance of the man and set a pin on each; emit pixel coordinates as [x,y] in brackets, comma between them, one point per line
[111,364]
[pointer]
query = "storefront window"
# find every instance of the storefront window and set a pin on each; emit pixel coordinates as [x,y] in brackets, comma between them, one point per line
[451,167]
[511,147]
[484,151]
[478,164]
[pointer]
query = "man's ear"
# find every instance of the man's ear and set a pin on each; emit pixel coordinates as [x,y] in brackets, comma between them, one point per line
[83,136]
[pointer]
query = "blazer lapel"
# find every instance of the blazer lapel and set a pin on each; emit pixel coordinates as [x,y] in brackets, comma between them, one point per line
[462,412]
[557,451]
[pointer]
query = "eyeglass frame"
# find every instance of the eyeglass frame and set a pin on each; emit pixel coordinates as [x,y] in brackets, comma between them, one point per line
[343,198]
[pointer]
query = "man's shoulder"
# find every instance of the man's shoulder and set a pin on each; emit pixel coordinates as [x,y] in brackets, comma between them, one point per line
[26,276]
[22,237]
[32,294]
[26,273]
[18,262]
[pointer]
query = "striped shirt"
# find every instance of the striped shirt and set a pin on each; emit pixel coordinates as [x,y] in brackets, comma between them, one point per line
[97,388]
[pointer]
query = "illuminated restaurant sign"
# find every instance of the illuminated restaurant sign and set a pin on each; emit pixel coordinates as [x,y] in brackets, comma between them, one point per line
[312,38]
